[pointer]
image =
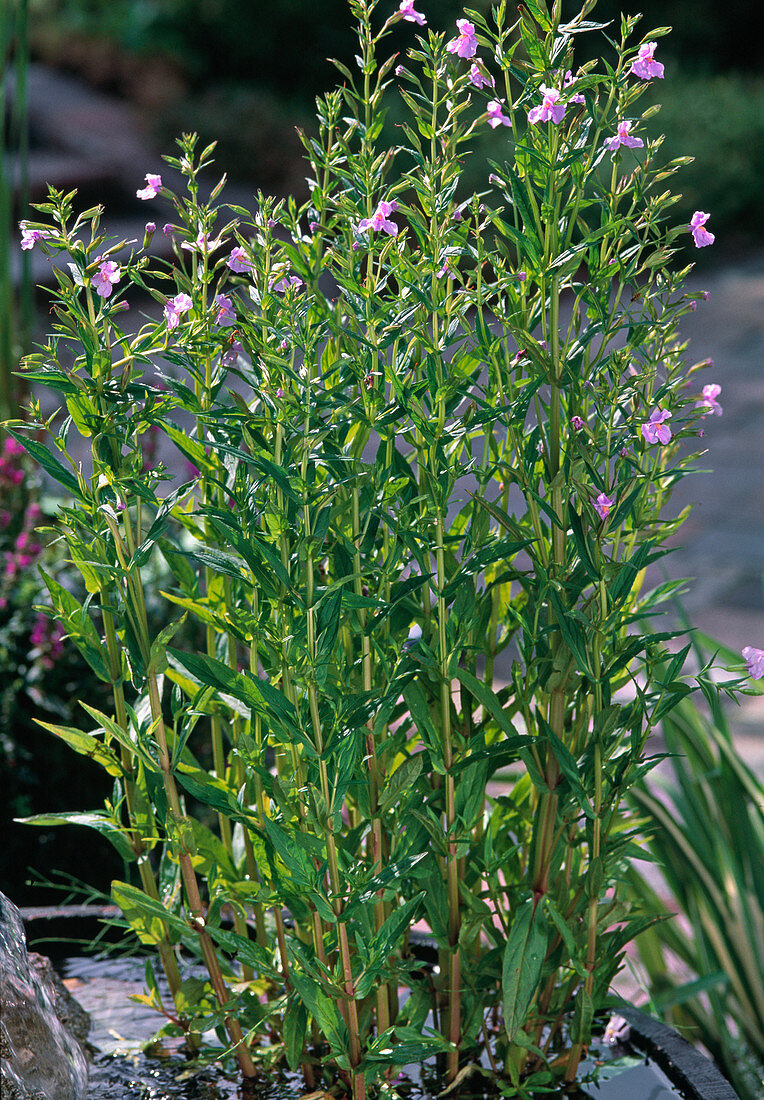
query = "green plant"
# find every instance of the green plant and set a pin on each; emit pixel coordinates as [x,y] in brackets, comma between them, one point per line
[707,835]
[334,372]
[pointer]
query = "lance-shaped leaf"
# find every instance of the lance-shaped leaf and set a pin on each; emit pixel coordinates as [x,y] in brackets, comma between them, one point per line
[524,957]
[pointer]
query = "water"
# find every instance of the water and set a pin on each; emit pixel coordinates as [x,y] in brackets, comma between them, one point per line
[40,1059]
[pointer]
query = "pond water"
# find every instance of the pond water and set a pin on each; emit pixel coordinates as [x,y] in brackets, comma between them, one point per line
[122,1072]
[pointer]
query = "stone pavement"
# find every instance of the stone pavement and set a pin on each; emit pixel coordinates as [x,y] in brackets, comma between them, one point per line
[83,136]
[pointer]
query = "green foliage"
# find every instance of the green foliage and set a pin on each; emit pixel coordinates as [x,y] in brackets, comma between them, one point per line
[706,966]
[421,424]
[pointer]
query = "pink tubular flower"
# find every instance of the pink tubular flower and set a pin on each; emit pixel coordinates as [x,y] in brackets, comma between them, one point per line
[495,117]
[479,77]
[151,190]
[280,283]
[708,400]
[30,237]
[550,110]
[656,430]
[754,659]
[202,243]
[238,261]
[406,11]
[106,277]
[576,423]
[700,235]
[181,303]
[602,505]
[380,219]
[643,64]
[225,314]
[466,43]
[623,137]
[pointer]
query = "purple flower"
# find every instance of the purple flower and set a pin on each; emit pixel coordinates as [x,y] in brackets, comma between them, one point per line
[495,117]
[406,11]
[700,235]
[623,137]
[550,110]
[643,64]
[230,357]
[754,659]
[655,430]
[279,283]
[466,43]
[167,229]
[106,277]
[380,219]
[225,314]
[576,423]
[521,276]
[238,261]
[708,400]
[150,227]
[706,295]
[202,243]
[30,237]
[181,303]
[479,77]
[602,505]
[151,190]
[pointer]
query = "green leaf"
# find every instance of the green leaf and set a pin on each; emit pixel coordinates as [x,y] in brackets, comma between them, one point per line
[43,457]
[322,1008]
[489,702]
[146,916]
[524,957]
[404,776]
[95,820]
[86,745]
[295,1026]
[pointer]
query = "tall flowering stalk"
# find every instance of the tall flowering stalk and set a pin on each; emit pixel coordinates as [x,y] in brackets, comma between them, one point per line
[433,436]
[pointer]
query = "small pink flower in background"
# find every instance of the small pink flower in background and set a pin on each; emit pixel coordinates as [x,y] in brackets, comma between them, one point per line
[754,659]
[521,276]
[151,190]
[495,116]
[602,505]
[445,270]
[181,303]
[280,283]
[644,66]
[623,137]
[225,314]
[231,355]
[380,219]
[479,77]
[106,277]
[656,430]
[168,229]
[466,44]
[576,423]
[30,237]
[568,82]
[700,235]
[202,243]
[550,110]
[150,227]
[706,295]
[238,261]
[708,400]
[406,11]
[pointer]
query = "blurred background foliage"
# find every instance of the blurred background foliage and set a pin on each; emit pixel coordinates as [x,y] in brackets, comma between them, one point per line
[247,74]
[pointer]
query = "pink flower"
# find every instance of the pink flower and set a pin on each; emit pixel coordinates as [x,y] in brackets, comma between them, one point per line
[151,190]
[480,78]
[708,400]
[202,243]
[576,423]
[754,659]
[700,235]
[181,303]
[406,11]
[238,261]
[231,355]
[643,64]
[168,229]
[280,283]
[30,237]
[225,314]
[380,219]
[106,277]
[495,117]
[655,430]
[602,505]
[550,109]
[466,44]
[623,137]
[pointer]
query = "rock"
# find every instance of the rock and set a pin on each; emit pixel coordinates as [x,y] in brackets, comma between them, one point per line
[39,1058]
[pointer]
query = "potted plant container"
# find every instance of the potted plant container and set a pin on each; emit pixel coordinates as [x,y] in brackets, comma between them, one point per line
[432,432]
